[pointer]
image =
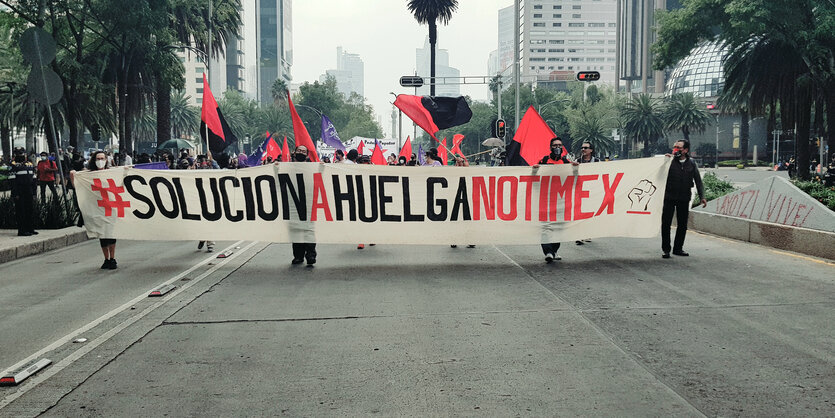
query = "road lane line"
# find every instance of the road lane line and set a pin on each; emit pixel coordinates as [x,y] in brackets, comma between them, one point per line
[69,337]
[804,257]
[86,348]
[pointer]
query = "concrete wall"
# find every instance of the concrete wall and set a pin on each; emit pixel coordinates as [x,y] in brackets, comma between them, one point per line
[790,238]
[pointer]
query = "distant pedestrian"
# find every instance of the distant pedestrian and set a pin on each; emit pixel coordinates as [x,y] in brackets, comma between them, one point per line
[303,250]
[682,176]
[22,174]
[586,156]
[46,175]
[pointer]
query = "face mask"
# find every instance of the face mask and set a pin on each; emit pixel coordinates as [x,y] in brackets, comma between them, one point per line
[100,164]
[301,157]
[677,153]
[556,150]
[43,157]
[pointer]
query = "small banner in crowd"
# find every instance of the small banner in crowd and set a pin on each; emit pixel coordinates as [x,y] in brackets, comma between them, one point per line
[346,203]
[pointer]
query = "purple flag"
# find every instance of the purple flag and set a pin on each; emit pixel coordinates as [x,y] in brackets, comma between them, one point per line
[254,159]
[162,165]
[329,135]
[421,158]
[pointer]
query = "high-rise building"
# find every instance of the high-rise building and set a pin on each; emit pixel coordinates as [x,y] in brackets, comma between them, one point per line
[560,37]
[442,69]
[250,62]
[275,45]
[636,35]
[505,47]
[349,73]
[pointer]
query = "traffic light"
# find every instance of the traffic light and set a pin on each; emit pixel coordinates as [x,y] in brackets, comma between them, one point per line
[588,76]
[500,128]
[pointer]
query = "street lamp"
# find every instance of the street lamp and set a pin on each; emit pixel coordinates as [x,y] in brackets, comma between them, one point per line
[552,101]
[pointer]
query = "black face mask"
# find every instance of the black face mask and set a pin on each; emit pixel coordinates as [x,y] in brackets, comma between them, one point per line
[678,153]
[556,151]
[301,157]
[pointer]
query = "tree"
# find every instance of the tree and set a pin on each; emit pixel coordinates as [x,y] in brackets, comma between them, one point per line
[593,123]
[682,112]
[185,119]
[642,121]
[429,12]
[279,91]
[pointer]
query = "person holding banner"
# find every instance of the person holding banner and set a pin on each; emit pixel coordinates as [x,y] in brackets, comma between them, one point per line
[432,158]
[99,161]
[558,155]
[303,250]
[586,156]
[680,179]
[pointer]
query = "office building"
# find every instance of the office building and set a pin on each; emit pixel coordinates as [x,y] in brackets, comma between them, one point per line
[443,71]
[349,73]
[560,36]
[636,35]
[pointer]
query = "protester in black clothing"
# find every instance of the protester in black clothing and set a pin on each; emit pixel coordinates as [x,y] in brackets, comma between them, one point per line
[680,179]
[586,156]
[304,250]
[558,155]
[23,192]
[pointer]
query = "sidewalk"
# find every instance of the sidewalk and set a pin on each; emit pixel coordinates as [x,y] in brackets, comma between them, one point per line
[13,247]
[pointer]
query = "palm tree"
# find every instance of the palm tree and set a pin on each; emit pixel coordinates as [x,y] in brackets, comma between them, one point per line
[278,91]
[642,121]
[429,12]
[592,124]
[684,113]
[185,118]
[786,81]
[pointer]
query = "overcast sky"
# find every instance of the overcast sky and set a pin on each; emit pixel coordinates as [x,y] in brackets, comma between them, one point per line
[385,35]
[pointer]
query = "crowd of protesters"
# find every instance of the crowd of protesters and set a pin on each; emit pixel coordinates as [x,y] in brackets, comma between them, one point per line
[42,170]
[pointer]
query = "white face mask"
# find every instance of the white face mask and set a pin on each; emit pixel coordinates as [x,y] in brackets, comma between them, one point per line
[101,163]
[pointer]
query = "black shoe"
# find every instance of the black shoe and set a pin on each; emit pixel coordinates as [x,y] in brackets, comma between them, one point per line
[453,246]
[578,242]
[681,253]
[665,255]
[200,245]
[471,246]
[311,261]
[112,265]
[24,234]
[105,265]
[297,261]
[33,232]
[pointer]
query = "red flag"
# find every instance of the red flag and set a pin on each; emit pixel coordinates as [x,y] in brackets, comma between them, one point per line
[213,124]
[434,113]
[456,144]
[442,152]
[272,150]
[361,148]
[285,152]
[300,132]
[377,157]
[532,140]
[406,151]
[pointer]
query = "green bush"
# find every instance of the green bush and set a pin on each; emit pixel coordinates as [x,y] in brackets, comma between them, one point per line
[818,191]
[53,213]
[714,187]
[734,163]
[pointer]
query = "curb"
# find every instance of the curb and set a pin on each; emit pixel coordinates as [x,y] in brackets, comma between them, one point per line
[801,240]
[11,253]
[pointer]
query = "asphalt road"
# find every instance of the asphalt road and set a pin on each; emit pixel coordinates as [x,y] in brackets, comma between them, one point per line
[611,330]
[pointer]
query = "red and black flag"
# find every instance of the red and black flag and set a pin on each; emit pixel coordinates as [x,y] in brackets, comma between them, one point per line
[434,113]
[531,142]
[213,123]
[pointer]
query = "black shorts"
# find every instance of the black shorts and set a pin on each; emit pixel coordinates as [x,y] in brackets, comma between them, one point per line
[104,242]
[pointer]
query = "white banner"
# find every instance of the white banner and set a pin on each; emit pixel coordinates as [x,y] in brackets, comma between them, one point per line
[345,203]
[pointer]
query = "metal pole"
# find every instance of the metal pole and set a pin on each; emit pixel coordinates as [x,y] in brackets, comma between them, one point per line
[516,58]
[717,141]
[499,97]
[400,126]
[208,68]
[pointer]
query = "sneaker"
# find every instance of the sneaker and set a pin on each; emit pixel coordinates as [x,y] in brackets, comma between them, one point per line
[578,242]
[297,261]
[372,244]
[587,240]
[33,232]
[311,260]
[113,265]
[210,248]
[681,253]
[453,246]
[360,246]
[471,246]
[24,234]
[557,257]
[549,258]
[105,265]
[665,255]
[200,245]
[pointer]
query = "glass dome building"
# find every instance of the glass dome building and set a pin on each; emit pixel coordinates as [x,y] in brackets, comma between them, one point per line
[700,72]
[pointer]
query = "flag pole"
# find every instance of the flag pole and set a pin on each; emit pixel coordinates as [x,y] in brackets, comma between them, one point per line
[208,68]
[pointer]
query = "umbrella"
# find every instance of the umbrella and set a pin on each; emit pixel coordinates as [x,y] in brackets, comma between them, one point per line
[493,142]
[174,143]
